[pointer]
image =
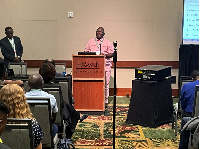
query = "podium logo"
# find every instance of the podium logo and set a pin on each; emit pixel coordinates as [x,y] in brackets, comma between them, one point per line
[88,65]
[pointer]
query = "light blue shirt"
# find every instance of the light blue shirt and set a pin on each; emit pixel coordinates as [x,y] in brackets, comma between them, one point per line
[39,92]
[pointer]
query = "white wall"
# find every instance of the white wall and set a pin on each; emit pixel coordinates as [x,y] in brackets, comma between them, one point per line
[146,30]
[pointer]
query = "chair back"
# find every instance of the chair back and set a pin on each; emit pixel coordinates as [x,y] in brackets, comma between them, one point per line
[41,109]
[196,102]
[23,78]
[26,86]
[18,68]
[18,134]
[183,80]
[66,86]
[57,93]
[20,77]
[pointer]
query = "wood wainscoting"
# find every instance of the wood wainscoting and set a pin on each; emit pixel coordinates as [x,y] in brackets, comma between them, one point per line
[119,64]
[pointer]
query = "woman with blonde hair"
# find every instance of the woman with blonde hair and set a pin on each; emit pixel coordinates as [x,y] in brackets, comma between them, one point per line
[13,96]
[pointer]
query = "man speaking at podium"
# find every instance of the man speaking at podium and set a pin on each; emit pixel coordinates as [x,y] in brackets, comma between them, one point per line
[102,46]
[11,47]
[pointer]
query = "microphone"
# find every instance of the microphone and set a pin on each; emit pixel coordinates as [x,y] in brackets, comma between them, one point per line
[100,49]
[115,44]
[115,52]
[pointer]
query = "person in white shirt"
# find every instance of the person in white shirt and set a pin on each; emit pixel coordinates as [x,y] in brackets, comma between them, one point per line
[35,83]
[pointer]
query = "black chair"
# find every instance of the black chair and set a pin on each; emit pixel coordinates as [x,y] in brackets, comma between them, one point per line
[20,77]
[55,89]
[57,93]
[26,86]
[41,109]
[183,80]
[18,134]
[23,78]
[196,102]
[66,85]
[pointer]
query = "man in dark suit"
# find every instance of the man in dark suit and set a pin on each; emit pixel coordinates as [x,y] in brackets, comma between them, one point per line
[11,47]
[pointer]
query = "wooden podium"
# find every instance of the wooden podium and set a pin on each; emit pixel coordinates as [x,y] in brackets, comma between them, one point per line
[88,81]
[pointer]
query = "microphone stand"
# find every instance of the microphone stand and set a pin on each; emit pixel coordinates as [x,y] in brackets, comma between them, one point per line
[21,61]
[21,68]
[114,100]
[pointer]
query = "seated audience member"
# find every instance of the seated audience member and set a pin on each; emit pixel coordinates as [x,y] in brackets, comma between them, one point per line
[13,96]
[48,72]
[35,83]
[4,111]
[3,76]
[187,102]
[53,63]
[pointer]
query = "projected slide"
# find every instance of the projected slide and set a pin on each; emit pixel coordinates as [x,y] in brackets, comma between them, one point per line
[191,22]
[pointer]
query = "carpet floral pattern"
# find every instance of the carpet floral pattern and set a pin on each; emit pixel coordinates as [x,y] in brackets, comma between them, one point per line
[96,132]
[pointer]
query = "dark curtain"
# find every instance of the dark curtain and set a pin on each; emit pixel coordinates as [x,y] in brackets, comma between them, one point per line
[188,59]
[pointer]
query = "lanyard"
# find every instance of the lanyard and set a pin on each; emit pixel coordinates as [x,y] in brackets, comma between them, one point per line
[99,44]
[12,44]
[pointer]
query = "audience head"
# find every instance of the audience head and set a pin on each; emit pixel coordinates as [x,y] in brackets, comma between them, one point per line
[48,72]
[9,32]
[4,111]
[195,75]
[50,61]
[100,33]
[13,96]
[35,81]
[3,72]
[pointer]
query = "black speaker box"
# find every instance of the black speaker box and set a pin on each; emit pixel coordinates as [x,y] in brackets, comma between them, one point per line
[151,103]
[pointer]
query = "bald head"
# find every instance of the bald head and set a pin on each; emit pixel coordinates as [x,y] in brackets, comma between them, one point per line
[35,81]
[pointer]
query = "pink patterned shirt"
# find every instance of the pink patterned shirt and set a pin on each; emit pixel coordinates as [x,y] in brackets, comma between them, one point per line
[106,47]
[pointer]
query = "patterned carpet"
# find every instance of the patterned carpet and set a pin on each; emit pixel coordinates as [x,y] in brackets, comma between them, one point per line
[96,132]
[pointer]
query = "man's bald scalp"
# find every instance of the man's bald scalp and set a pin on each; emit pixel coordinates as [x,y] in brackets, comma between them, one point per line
[35,81]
